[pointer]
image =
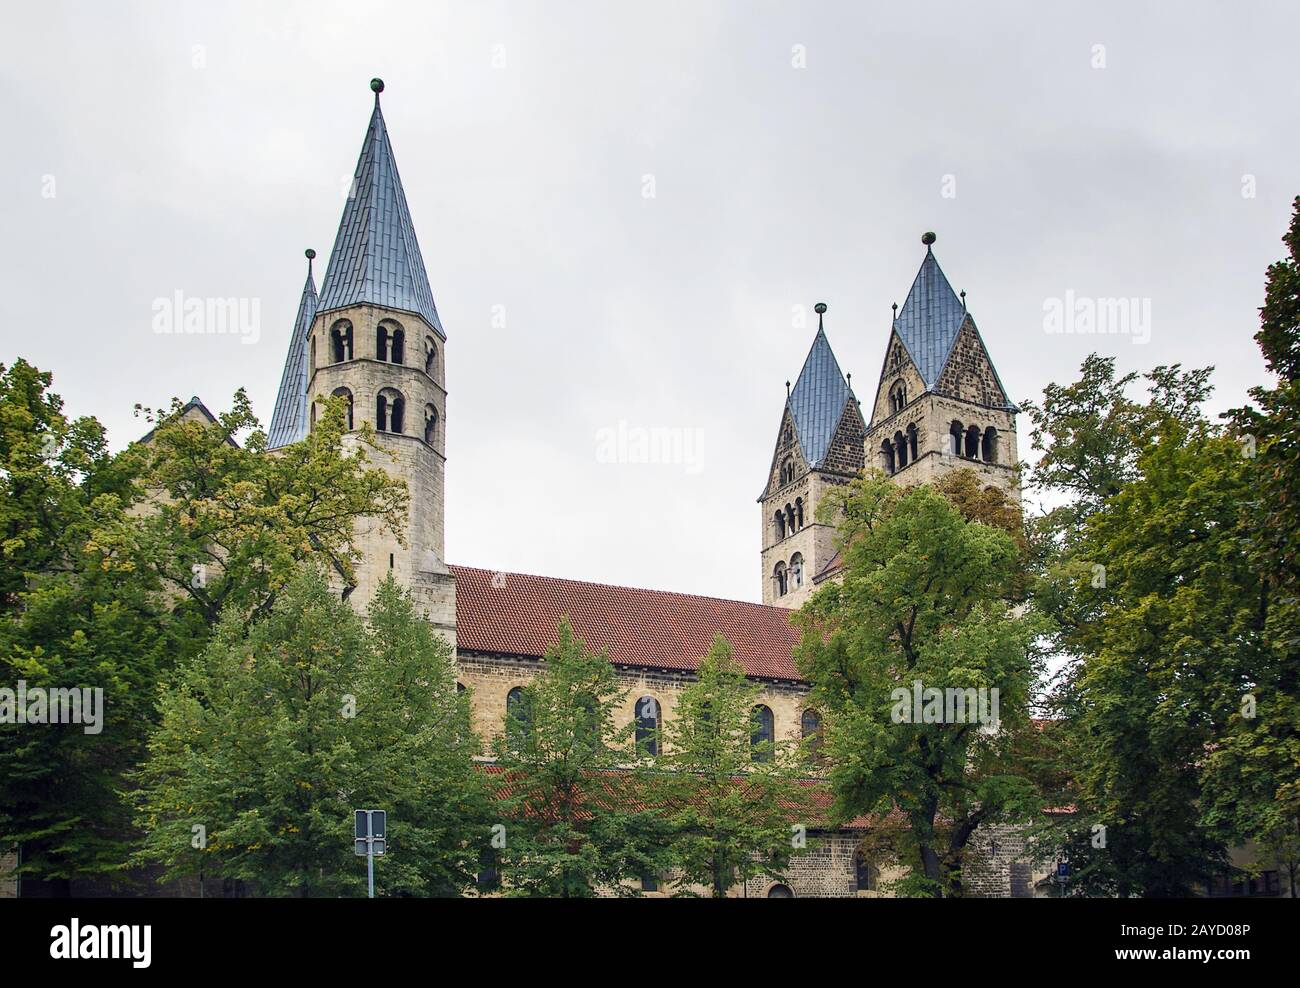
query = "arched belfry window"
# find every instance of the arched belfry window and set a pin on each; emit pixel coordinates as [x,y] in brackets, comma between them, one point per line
[779,521]
[897,397]
[798,513]
[779,579]
[430,424]
[912,441]
[647,726]
[796,571]
[990,445]
[955,433]
[763,734]
[389,409]
[430,356]
[346,395]
[341,341]
[900,451]
[390,340]
[973,443]
[887,457]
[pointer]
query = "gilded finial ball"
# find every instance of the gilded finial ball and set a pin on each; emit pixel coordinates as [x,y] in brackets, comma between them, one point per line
[377,85]
[819,308]
[311,254]
[928,238]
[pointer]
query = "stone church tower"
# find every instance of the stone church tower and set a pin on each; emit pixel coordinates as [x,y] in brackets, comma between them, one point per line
[374,338]
[819,446]
[940,405]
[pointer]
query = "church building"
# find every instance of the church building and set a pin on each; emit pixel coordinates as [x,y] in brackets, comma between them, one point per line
[372,335]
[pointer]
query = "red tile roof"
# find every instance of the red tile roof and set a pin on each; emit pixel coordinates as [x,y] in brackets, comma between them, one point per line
[517,614]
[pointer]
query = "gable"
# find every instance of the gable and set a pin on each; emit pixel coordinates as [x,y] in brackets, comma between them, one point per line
[898,366]
[787,450]
[968,373]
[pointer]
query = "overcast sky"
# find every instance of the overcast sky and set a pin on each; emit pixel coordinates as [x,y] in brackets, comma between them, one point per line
[796,153]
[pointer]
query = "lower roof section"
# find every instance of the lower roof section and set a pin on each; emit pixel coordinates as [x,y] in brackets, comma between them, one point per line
[519,614]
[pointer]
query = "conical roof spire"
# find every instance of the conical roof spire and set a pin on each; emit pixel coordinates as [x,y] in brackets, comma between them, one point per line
[289,420]
[819,396]
[930,318]
[376,258]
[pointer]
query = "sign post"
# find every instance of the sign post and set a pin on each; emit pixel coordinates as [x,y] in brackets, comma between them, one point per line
[370,839]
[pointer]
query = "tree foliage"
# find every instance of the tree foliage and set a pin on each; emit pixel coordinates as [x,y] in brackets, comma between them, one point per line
[736,806]
[926,599]
[271,738]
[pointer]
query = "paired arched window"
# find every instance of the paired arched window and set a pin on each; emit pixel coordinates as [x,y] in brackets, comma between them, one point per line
[389,409]
[430,424]
[972,443]
[346,395]
[390,340]
[763,734]
[647,727]
[341,341]
[779,578]
[796,571]
[897,397]
[430,356]
[787,472]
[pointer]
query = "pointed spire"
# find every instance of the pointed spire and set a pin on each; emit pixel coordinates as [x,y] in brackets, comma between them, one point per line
[819,396]
[930,318]
[376,258]
[289,420]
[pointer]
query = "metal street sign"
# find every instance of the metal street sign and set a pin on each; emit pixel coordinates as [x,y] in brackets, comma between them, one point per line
[370,829]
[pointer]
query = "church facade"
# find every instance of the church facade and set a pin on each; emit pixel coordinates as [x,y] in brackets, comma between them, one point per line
[372,336]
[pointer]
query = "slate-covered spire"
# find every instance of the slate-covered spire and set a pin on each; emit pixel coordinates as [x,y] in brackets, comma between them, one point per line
[930,318]
[289,420]
[376,258]
[819,396]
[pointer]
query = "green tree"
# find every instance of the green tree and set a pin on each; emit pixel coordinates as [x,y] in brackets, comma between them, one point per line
[228,524]
[926,599]
[67,622]
[1175,644]
[1263,756]
[736,806]
[272,737]
[575,818]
